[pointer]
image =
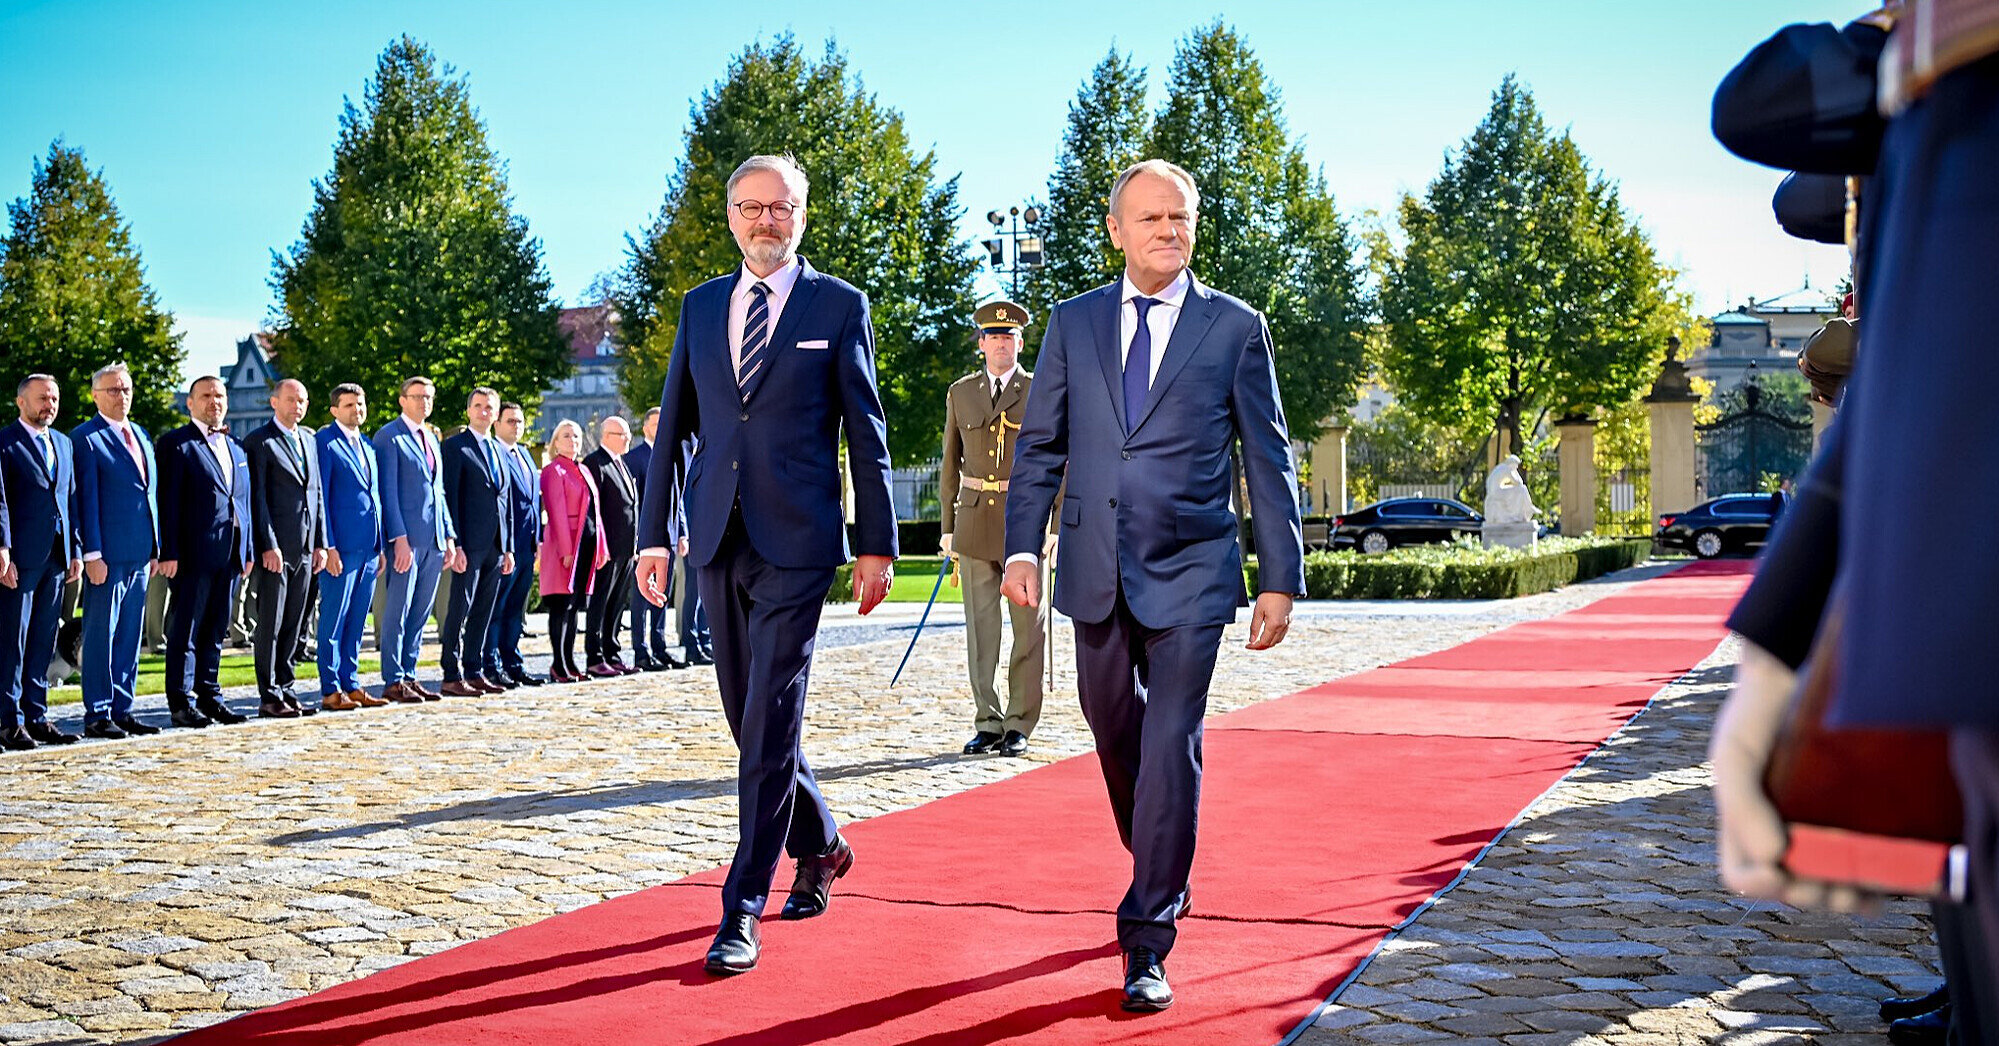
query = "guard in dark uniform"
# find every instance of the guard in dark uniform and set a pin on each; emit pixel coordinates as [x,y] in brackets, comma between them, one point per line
[982,414]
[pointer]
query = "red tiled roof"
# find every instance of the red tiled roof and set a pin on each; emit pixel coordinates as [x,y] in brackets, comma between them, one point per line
[586,327]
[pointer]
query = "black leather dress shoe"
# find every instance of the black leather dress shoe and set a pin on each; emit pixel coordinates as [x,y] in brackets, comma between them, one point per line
[1015,743]
[1145,987]
[523,679]
[1924,1029]
[668,661]
[16,740]
[213,708]
[291,702]
[812,889]
[1914,1005]
[181,712]
[736,946]
[133,726]
[103,728]
[701,657]
[275,710]
[982,742]
[41,731]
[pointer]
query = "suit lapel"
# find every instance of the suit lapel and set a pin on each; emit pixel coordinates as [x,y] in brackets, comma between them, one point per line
[1011,394]
[1104,320]
[207,457]
[284,449]
[795,306]
[1197,314]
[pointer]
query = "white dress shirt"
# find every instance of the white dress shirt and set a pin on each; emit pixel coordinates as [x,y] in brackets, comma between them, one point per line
[1160,319]
[996,384]
[780,284]
[218,445]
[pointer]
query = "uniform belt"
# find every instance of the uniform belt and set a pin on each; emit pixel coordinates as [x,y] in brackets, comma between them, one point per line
[970,483]
[1932,38]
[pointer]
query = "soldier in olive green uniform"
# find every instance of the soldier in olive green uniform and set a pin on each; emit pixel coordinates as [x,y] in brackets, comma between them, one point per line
[981,418]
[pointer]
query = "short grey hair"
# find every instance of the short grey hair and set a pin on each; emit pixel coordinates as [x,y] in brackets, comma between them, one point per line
[1161,168]
[109,368]
[22,388]
[605,425]
[783,165]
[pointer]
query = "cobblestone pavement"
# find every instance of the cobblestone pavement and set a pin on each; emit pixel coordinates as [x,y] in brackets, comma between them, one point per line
[167,882]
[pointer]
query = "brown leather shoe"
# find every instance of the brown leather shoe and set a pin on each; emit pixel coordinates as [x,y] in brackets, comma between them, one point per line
[338,702]
[401,694]
[486,686]
[460,688]
[364,699]
[420,690]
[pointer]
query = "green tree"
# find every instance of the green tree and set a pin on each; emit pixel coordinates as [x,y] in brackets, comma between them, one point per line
[412,260]
[1269,232]
[73,294]
[878,218]
[1523,288]
[1108,128]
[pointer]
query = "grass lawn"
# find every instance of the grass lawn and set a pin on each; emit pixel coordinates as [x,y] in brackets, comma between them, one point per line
[914,577]
[237,670]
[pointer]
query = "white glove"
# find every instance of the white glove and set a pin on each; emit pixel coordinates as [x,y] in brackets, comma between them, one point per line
[1749,833]
[1048,548]
[944,546]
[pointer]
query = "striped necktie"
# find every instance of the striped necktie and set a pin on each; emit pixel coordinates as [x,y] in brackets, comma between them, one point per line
[756,334]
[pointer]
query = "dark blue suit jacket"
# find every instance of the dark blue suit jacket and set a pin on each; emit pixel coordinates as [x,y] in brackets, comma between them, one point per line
[774,444]
[523,502]
[350,480]
[117,510]
[413,503]
[41,511]
[476,495]
[207,527]
[637,460]
[1148,510]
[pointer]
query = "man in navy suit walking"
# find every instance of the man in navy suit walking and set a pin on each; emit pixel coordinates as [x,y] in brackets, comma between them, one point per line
[770,364]
[38,469]
[1140,392]
[503,637]
[118,517]
[475,490]
[204,550]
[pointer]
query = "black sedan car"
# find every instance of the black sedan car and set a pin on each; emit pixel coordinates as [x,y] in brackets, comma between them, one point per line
[1404,521]
[1730,523]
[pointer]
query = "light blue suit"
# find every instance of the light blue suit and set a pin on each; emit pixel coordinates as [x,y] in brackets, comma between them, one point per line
[348,473]
[412,489]
[118,516]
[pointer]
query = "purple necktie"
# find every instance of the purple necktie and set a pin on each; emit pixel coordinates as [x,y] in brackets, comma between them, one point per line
[1138,365]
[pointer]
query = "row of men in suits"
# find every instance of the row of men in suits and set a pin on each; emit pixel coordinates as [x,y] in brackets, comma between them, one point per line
[287,512]
[1141,390]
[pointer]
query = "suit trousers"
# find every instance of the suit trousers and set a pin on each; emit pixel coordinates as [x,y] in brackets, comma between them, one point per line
[474,595]
[198,608]
[983,609]
[693,616]
[405,609]
[343,620]
[1144,693]
[282,599]
[510,604]
[29,615]
[1974,759]
[113,618]
[648,627]
[610,594]
[765,620]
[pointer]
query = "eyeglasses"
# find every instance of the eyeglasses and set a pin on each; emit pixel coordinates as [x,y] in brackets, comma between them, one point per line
[123,390]
[781,210]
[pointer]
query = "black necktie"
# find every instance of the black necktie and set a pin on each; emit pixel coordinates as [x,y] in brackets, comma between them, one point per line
[1138,365]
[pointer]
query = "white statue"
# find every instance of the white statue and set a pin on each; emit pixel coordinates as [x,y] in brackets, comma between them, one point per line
[1509,509]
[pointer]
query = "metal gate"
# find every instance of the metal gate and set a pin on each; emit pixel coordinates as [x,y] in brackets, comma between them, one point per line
[1749,451]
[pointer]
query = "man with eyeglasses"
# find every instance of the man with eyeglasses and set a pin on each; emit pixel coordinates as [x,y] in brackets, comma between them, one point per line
[117,485]
[770,364]
[38,468]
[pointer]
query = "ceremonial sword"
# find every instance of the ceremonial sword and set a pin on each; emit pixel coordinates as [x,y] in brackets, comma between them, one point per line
[934,589]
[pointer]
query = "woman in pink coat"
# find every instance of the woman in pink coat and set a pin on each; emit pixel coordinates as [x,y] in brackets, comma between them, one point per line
[572,547]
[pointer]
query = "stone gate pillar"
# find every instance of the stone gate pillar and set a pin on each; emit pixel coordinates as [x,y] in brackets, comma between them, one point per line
[1671,404]
[1577,461]
[1329,471]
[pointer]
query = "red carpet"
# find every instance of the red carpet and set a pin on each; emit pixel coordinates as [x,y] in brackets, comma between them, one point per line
[1329,817]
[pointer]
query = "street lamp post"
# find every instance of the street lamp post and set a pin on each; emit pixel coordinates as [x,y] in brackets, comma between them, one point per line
[1026,243]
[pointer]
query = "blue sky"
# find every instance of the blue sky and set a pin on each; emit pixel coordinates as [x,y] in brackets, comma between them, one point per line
[210,120]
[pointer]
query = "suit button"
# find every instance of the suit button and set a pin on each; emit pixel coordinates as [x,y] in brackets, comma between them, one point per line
[1127,455]
[745,417]
[733,465]
[1113,502]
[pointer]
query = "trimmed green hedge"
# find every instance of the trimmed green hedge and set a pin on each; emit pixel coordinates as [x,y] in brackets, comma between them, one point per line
[1464,570]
